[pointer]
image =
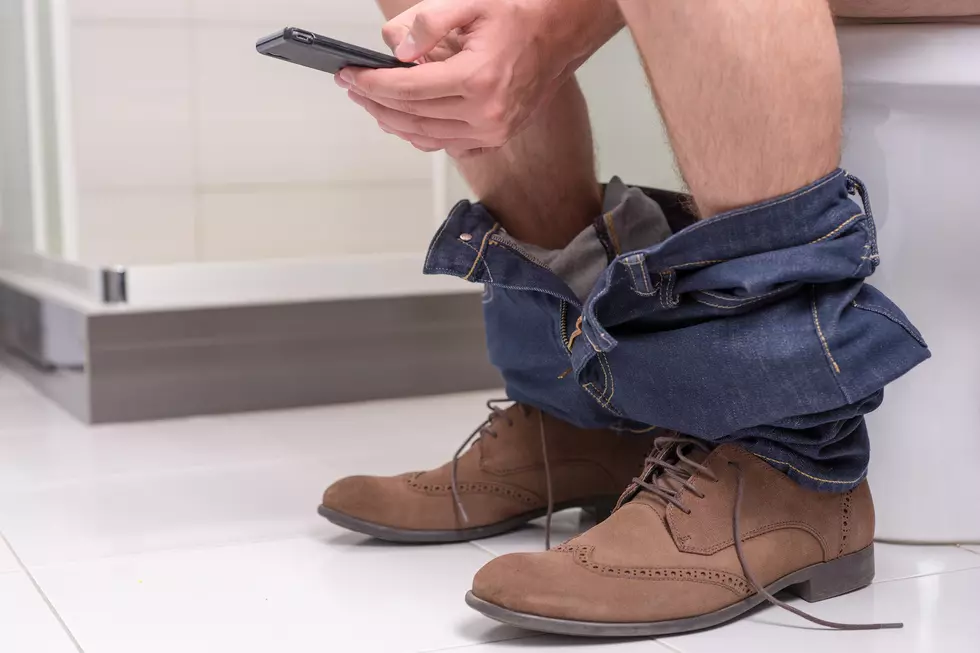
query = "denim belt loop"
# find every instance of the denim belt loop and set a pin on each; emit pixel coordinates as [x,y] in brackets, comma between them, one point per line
[856,186]
[636,265]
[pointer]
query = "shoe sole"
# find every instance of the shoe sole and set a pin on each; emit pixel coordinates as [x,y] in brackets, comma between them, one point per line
[600,508]
[816,583]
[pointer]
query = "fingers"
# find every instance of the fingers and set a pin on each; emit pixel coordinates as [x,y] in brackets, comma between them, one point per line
[412,124]
[428,81]
[420,28]
[450,108]
[457,148]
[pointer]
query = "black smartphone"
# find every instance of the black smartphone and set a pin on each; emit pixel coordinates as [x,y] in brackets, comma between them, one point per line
[320,53]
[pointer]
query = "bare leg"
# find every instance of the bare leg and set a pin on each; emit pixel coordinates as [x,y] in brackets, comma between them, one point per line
[542,185]
[750,91]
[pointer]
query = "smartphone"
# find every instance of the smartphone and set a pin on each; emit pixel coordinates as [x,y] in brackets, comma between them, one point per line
[320,53]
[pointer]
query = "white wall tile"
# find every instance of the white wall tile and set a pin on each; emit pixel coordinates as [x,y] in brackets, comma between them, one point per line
[16,182]
[132,103]
[266,121]
[136,227]
[129,9]
[317,15]
[316,221]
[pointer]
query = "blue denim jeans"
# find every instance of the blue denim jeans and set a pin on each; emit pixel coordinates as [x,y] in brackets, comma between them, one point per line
[755,327]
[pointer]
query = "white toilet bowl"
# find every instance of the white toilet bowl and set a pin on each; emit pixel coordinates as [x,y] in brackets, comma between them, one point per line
[912,133]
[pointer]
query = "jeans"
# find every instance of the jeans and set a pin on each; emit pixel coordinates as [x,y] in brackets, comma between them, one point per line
[754,327]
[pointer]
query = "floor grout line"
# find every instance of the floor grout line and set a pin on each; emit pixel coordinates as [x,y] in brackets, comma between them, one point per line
[191,548]
[666,645]
[489,552]
[44,597]
[966,547]
[946,572]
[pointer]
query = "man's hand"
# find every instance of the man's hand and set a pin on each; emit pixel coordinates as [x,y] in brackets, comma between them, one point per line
[486,67]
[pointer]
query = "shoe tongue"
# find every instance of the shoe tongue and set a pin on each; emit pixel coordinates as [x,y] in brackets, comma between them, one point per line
[669,481]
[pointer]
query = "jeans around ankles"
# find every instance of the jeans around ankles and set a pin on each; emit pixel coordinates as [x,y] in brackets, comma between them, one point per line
[755,326]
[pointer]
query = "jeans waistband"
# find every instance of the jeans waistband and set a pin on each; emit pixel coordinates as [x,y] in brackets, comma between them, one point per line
[814,235]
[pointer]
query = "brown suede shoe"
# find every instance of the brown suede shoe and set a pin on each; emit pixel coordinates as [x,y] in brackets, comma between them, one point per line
[667,561]
[502,481]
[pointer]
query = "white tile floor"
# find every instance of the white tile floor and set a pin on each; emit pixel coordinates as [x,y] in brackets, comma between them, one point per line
[201,535]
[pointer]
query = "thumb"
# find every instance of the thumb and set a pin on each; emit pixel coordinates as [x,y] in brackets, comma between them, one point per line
[394,32]
[415,32]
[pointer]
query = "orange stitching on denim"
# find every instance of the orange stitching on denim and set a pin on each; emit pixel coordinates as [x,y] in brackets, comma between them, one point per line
[590,388]
[594,348]
[612,381]
[724,308]
[739,305]
[802,473]
[479,254]
[735,299]
[909,329]
[432,247]
[648,292]
[646,274]
[771,203]
[715,295]
[693,263]
[629,268]
[641,431]
[613,236]
[496,240]
[842,225]
[605,379]
[479,258]
[816,322]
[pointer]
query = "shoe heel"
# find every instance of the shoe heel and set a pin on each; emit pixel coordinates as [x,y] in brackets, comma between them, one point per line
[847,574]
[601,509]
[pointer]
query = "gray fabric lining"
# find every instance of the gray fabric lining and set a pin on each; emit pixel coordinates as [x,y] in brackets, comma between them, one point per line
[637,222]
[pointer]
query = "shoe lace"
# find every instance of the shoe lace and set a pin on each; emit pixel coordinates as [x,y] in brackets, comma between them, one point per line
[668,472]
[757,586]
[486,430]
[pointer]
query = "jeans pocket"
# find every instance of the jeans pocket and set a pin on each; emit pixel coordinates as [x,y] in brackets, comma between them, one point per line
[730,301]
[596,378]
[881,305]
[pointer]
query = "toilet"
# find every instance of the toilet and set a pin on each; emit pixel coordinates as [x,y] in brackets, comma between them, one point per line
[912,133]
